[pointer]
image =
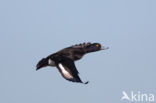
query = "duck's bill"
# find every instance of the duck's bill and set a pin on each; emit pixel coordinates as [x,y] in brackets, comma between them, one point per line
[104,48]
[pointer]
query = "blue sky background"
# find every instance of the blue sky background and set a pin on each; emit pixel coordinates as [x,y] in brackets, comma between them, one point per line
[33,29]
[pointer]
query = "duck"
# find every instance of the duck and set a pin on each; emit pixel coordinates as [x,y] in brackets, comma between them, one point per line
[64,60]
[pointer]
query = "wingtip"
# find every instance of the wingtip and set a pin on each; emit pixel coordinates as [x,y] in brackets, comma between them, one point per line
[86,82]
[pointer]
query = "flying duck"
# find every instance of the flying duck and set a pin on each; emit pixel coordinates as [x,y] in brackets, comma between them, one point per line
[64,60]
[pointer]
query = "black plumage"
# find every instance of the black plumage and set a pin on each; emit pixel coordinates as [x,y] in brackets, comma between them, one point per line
[64,59]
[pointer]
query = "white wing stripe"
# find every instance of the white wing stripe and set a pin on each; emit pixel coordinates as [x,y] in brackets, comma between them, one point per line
[65,73]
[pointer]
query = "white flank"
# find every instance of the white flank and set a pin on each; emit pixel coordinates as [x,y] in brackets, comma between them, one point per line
[65,73]
[51,62]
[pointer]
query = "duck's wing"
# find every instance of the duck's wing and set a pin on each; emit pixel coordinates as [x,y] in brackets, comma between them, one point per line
[68,70]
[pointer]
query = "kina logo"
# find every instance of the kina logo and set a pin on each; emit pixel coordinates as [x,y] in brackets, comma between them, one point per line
[137,96]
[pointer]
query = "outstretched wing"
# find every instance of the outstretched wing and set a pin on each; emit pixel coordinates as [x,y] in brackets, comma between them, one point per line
[68,70]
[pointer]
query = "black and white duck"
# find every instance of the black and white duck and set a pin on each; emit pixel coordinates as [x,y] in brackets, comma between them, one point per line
[64,59]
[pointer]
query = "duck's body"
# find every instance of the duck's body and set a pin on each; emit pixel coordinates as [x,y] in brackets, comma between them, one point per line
[75,52]
[64,59]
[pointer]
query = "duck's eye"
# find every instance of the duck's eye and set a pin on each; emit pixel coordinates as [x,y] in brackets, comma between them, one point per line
[97,45]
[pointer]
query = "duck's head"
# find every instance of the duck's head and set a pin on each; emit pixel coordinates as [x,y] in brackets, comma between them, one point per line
[42,63]
[95,47]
